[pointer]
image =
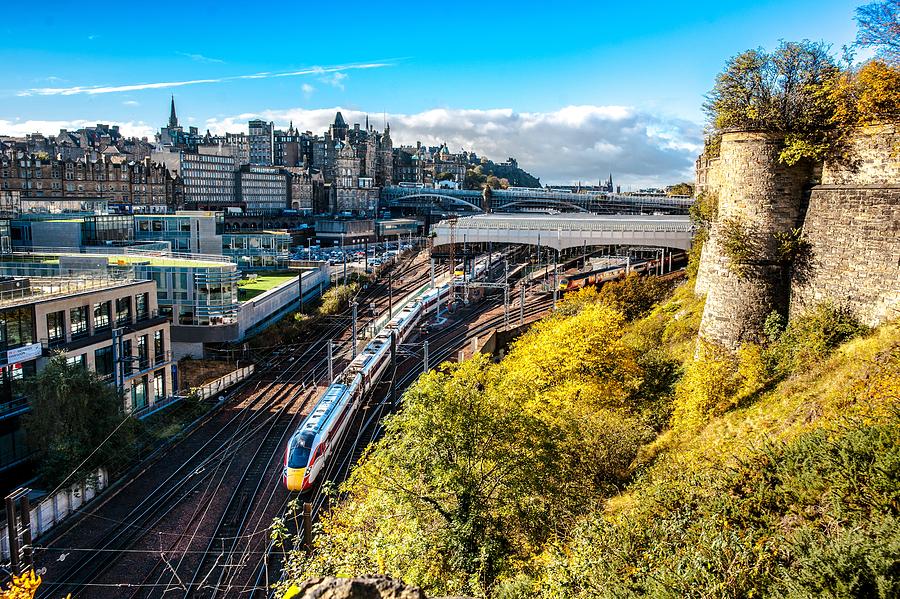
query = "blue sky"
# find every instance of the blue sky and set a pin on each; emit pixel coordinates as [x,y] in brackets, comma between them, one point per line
[602,86]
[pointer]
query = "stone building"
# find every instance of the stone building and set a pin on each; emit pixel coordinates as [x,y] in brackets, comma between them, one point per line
[262,142]
[140,186]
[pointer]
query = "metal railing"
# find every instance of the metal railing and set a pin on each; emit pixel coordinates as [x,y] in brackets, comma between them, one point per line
[46,287]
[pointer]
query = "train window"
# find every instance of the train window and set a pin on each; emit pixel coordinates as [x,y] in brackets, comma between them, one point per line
[299,457]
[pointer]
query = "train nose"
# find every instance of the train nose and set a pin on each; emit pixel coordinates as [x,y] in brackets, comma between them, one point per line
[293,478]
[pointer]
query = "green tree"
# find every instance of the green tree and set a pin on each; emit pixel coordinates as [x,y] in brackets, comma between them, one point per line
[681,189]
[77,423]
[779,92]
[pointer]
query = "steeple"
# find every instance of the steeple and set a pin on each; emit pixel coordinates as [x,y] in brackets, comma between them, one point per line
[173,120]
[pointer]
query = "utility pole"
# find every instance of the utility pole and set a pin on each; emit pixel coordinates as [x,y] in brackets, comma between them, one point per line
[330,354]
[522,306]
[506,306]
[354,328]
[627,264]
[555,284]
[300,289]
[432,273]
[425,355]
[20,554]
[390,293]
[393,367]
[506,293]
[307,527]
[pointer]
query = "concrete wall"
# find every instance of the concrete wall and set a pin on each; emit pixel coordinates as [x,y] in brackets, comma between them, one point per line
[263,308]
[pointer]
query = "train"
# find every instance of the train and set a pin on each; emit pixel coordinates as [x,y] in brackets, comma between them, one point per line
[605,275]
[312,443]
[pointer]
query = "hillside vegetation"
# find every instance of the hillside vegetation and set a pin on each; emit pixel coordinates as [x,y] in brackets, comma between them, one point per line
[612,456]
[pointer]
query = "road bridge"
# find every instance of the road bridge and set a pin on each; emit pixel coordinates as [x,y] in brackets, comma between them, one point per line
[561,231]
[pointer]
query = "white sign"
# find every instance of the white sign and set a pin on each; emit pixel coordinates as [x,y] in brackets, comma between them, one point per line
[24,353]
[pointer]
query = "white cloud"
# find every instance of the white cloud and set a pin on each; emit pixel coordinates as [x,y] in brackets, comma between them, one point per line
[307,89]
[334,79]
[574,143]
[201,58]
[131,103]
[334,75]
[22,128]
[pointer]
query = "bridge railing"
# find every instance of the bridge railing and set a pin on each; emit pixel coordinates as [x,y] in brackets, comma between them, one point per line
[462,227]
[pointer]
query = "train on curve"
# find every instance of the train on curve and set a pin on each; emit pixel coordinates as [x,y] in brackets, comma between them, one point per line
[321,431]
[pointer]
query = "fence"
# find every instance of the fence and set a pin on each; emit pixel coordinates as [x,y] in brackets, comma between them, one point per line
[219,385]
[52,510]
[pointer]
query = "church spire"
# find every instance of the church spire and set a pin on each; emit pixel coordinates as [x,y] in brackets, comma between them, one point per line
[173,120]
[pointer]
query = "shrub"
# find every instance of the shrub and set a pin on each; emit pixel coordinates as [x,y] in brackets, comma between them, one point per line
[708,387]
[811,336]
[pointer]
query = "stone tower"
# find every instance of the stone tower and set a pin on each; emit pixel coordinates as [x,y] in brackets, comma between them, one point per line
[764,197]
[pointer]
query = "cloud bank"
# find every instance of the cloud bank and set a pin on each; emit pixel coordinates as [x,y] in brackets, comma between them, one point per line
[335,74]
[572,144]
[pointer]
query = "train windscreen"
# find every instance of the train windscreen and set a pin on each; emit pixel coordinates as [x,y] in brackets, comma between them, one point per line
[299,457]
[300,447]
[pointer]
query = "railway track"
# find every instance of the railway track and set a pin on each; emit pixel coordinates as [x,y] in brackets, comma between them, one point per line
[247,443]
[366,425]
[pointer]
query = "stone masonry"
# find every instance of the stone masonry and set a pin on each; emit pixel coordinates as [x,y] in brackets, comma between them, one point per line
[765,197]
[852,222]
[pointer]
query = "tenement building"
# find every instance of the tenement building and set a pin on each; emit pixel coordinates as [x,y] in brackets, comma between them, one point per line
[144,186]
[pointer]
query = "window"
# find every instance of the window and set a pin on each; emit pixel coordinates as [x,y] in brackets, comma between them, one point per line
[159,347]
[79,360]
[143,356]
[159,385]
[56,327]
[139,394]
[103,361]
[127,362]
[79,320]
[16,327]
[142,306]
[101,316]
[123,310]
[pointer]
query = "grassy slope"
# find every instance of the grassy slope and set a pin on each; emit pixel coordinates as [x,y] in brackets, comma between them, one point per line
[793,493]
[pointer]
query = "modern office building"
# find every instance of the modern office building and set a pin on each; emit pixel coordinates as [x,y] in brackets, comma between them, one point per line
[263,188]
[188,231]
[256,250]
[109,326]
[208,176]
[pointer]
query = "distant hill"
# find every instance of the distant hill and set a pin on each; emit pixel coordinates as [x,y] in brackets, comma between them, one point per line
[515,176]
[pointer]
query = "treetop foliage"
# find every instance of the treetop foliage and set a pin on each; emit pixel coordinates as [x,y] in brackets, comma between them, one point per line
[879,28]
[72,411]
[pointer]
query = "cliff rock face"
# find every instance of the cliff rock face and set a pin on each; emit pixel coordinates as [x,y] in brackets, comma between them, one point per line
[368,587]
[851,220]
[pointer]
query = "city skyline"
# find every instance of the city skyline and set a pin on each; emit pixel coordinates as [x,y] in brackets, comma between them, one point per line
[575,109]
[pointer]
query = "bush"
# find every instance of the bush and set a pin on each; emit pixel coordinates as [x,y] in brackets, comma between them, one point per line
[634,295]
[708,387]
[811,336]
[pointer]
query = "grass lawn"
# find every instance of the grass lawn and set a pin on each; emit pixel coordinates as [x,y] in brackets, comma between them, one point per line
[248,289]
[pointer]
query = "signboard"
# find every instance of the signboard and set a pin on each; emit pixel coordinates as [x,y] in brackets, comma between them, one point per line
[24,353]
